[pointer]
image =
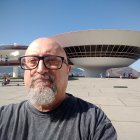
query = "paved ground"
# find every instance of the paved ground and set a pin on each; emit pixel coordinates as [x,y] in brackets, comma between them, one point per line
[119,98]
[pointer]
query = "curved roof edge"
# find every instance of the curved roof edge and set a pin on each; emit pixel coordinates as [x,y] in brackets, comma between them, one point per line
[97,37]
[13,47]
[97,30]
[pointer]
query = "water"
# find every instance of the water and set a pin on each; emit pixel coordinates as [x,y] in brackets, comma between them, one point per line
[9,70]
[4,70]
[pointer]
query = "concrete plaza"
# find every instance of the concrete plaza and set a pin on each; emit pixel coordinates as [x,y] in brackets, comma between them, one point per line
[119,98]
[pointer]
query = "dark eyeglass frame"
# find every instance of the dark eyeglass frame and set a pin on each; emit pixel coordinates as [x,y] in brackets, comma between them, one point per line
[41,58]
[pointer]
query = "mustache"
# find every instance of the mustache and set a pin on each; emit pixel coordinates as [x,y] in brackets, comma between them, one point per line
[47,77]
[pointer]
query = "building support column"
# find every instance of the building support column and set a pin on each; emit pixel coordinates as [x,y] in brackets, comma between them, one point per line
[15,71]
[95,72]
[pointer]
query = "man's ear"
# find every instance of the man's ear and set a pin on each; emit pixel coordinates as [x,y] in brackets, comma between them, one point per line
[68,69]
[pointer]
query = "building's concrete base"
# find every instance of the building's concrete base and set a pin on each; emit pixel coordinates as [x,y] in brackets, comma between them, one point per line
[95,72]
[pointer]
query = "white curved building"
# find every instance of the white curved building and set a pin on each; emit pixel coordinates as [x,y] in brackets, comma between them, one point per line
[9,56]
[98,50]
[93,50]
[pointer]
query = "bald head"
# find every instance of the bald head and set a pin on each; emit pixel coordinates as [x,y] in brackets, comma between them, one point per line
[51,82]
[44,46]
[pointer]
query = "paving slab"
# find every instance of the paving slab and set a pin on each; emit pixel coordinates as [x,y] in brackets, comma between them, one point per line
[118,98]
[127,130]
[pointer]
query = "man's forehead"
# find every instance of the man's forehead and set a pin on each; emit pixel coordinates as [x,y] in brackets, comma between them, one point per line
[45,46]
[41,48]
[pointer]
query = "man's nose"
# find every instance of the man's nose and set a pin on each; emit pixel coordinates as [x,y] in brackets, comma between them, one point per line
[41,67]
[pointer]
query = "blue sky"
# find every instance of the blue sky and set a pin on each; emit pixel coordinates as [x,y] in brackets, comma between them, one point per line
[21,21]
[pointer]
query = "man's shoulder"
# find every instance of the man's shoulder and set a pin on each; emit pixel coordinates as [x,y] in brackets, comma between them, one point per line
[96,118]
[11,107]
[86,107]
[85,104]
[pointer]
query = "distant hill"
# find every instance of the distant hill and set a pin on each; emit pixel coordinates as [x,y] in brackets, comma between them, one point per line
[113,72]
[124,72]
[76,72]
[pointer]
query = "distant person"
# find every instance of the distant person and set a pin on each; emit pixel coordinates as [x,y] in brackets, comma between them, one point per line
[6,80]
[72,75]
[124,75]
[130,76]
[50,113]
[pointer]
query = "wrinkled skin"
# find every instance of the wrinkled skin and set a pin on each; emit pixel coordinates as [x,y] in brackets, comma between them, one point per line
[44,47]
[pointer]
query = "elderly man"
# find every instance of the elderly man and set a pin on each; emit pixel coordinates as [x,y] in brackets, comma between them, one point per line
[51,113]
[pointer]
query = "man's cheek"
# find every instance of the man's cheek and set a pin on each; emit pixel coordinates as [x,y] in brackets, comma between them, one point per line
[27,78]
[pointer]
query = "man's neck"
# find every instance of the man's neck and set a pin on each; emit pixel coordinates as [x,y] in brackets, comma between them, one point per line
[52,106]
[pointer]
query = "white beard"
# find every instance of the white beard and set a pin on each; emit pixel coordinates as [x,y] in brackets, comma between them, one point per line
[42,94]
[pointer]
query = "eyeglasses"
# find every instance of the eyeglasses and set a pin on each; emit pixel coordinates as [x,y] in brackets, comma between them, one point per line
[51,62]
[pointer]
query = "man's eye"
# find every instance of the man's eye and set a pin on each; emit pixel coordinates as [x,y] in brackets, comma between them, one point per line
[31,62]
[53,62]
